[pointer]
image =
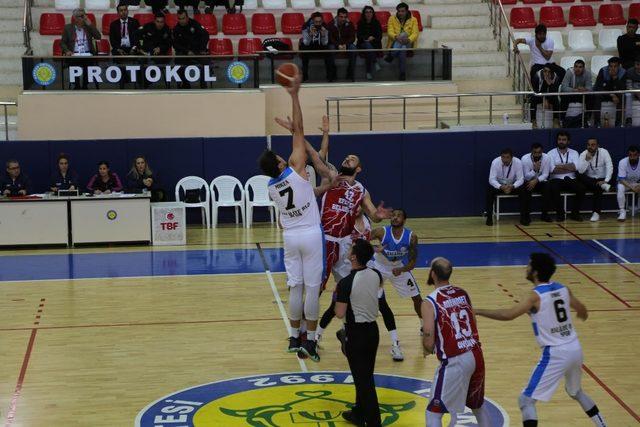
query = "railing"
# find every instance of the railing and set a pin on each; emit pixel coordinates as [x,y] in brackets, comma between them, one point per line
[27,25]
[6,105]
[368,102]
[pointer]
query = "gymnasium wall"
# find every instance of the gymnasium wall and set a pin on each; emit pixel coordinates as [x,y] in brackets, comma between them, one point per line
[429,173]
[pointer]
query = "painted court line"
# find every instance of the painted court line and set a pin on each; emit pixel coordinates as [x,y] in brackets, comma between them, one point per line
[611,251]
[283,312]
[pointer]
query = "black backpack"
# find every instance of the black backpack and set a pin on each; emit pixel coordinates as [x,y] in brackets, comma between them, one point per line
[275,43]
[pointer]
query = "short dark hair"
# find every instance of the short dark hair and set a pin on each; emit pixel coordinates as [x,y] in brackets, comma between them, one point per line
[182,11]
[404,213]
[543,264]
[315,15]
[121,4]
[507,150]
[633,149]
[63,155]
[563,133]
[579,61]
[632,21]
[362,250]
[540,28]
[268,162]
[402,5]
[536,145]
[613,59]
[342,10]
[159,15]
[104,162]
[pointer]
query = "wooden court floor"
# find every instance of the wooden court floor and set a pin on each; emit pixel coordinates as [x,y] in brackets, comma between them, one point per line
[94,352]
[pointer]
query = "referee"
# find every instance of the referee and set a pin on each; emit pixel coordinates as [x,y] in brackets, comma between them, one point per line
[357,300]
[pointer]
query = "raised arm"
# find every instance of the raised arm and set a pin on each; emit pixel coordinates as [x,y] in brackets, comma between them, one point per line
[580,308]
[376,214]
[298,158]
[513,312]
[324,145]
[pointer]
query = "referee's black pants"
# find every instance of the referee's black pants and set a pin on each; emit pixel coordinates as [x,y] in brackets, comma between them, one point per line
[361,349]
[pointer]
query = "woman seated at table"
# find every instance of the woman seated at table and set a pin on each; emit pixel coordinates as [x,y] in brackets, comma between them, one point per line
[105,181]
[64,178]
[141,178]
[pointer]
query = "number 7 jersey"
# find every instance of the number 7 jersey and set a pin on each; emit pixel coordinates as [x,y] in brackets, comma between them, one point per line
[552,323]
[295,200]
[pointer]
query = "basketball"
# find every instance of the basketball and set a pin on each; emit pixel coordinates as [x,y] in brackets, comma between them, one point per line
[286,73]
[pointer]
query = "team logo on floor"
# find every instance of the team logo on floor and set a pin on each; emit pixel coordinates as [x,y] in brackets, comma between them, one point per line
[238,72]
[309,399]
[44,74]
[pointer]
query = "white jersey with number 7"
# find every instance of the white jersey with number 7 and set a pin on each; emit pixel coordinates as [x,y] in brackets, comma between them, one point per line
[295,199]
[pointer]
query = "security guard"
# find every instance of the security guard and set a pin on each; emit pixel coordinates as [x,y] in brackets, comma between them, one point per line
[154,38]
[14,183]
[189,38]
[357,300]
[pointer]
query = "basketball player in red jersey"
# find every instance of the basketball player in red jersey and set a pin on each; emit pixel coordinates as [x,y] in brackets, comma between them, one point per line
[450,329]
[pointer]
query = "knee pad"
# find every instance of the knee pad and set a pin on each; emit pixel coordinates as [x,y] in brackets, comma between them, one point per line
[295,302]
[312,303]
[527,407]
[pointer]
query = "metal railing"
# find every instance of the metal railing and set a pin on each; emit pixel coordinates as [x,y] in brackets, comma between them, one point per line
[6,105]
[27,26]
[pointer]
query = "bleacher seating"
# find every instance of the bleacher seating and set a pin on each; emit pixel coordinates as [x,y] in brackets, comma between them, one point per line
[248,46]
[51,24]
[634,10]
[581,41]
[97,4]
[57,47]
[274,4]
[103,46]
[303,4]
[508,2]
[608,37]
[558,43]
[416,14]
[581,16]
[250,5]
[107,19]
[292,23]
[522,17]
[331,4]
[144,18]
[523,47]
[597,62]
[533,1]
[327,17]
[171,20]
[611,14]
[218,47]
[208,22]
[568,61]
[383,17]
[552,16]
[354,17]
[264,23]
[67,4]
[562,1]
[234,24]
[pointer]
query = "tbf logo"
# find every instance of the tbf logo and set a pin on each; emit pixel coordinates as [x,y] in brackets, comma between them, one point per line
[169,225]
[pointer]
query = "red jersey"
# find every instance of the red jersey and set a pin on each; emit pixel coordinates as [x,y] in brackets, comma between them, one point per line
[340,208]
[455,326]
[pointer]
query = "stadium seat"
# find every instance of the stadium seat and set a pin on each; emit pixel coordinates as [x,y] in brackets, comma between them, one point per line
[331,4]
[558,43]
[234,24]
[90,16]
[67,4]
[171,20]
[581,41]
[292,23]
[562,1]
[104,47]
[522,17]
[508,2]
[263,23]
[584,1]
[225,187]
[274,4]
[256,194]
[327,17]
[597,62]
[634,10]
[608,38]
[522,35]
[581,16]
[289,43]
[354,18]
[250,5]
[208,22]
[383,17]
[386,3]
[195,183]
[249,46]
[568,61]
[359,4]
[218,47]
[97,4]
[552,16]
[611,14]
[416,14]
[107,19]
[144,18]
[303,4]
[532,1]
[51,24]
[57,47]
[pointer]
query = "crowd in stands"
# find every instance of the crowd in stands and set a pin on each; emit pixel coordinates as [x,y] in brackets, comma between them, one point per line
[139,179]
[562,170]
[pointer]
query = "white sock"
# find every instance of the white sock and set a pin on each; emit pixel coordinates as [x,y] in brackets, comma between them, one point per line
[394,336]
[421,322]
[311,335]
[598,420]
[295,332]
[303,326]
[319,331]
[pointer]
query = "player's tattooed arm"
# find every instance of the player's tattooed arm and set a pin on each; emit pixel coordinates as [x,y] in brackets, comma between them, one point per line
[375,213]
[428,328]
[526,305]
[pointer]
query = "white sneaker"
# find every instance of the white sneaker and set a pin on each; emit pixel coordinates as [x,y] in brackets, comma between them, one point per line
[605,187]
[595,217]
[622,215]
[396,352]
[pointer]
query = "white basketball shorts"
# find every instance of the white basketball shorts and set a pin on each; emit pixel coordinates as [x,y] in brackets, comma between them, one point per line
[304,256]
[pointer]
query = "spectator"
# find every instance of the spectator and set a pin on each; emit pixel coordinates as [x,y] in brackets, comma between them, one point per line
[154,38]
[79,39]
[564,163]
[402,33]
[158,6]
[595,169]
[140,178]
[628,178]
[189,38]
[15,183]
[183,4]
[370,37]
[122,32]
[546,81]
[536,167]
[63,178]
[629,44]
[611,77]
[505,177]
[541,49]
[342,36]
[576,80]
[632,82]
[105,181]
[315,36]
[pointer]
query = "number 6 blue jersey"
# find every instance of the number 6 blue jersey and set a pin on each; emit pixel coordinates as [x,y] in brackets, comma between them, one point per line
[552,323]
[295,200]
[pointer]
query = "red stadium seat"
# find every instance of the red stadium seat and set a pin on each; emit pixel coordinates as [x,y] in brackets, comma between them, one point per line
[589,0]
[289,43]
[533,1]
[208,22]
[92,19]
[522,17]
[383,17]
[327,17]
[218,47]
[507,2]
[634,10]
[292,23]
[57,47]
[263,23]
[581,16]
[416,15]
[104,47]
[107,19]
[144,18]
[249,46]
[354,18]
[562,1]
[51,24]
[611,14]
[234,24]
[552,16]
[171,19]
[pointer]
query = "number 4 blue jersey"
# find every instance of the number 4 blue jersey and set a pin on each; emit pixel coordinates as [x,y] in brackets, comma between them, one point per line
[294,197]
[552,323]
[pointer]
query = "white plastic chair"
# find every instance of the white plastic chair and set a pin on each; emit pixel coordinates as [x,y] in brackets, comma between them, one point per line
[608,38]
[524,48]
[359,4]
[581,41]
[67,4]
[97,4]
[258,185]
[225,186]
[196,183]
[331,4]
[597,62]
[274,4]
[558,43]
[568,61]
[303,4]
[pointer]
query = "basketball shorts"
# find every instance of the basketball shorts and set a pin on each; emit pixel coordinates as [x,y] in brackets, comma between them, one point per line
[405,283]
[458,382]
[337,257]
[304,256]
[557,361]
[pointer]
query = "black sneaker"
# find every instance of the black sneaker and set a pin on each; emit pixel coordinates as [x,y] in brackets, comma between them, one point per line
[525,221]
[489,221]
[309,348]
[352,418]
[294,345]
[301,354]
[388,58]
[341,334]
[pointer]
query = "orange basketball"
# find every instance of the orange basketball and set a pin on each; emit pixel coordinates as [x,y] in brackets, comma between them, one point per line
[286,73]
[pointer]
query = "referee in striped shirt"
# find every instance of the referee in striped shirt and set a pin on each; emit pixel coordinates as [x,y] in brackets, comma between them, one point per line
[357,302]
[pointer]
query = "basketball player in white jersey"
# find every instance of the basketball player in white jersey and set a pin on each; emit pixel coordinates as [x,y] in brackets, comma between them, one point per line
[303,237]
[549,305]
[628,178]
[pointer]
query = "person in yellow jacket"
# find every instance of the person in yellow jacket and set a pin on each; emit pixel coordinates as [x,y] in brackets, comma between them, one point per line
[402,33]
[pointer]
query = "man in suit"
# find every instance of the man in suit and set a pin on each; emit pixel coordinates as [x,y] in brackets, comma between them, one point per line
[79,39]
[122,32]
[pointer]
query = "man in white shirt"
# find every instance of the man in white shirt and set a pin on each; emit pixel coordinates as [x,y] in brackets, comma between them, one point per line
[628,178]
[563,178]
[505,177]
[541,51]
[595,169]
[536,167]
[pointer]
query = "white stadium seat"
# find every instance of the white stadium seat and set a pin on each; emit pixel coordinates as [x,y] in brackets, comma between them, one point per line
[597,62]
[225,186]
[608,38]
[303,4]
[522,35]
[97,4]
[67,4]
[360,3]
[558,43]
[387,3]
[568,61]
[331,4]
[274,4]
[250,5]
[581,41]
[195,183]
[259,186]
